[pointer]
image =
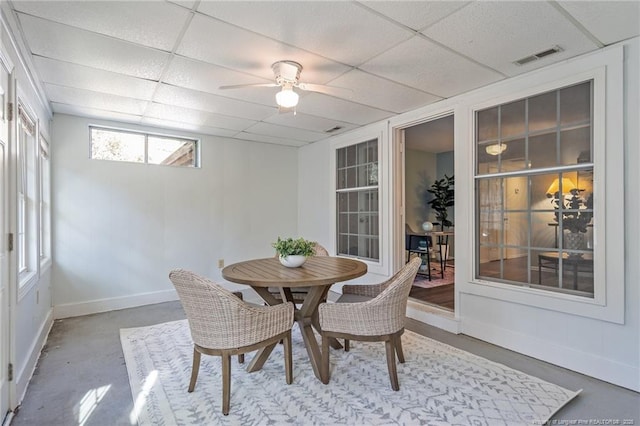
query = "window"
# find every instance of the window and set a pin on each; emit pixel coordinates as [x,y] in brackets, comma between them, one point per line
[26,219]
[534,191]
[357,222]
[136,147]
[45,200]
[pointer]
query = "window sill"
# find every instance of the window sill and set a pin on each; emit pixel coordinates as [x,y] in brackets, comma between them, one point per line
[45,264]
[566,303]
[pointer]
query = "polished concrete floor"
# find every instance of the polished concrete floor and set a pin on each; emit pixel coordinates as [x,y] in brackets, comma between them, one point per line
[81,377]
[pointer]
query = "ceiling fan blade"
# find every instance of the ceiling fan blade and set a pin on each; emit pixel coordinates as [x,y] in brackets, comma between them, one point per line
[241,86]
[341,92]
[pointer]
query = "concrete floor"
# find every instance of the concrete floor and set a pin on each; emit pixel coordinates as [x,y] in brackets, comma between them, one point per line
[81,377]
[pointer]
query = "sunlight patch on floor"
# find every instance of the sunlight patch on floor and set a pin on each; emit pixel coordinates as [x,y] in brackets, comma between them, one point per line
[141,399]
[89,402]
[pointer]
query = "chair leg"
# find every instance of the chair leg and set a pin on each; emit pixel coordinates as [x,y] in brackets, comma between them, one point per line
[226,382]
[346,345]
[288,364]
[391,364]
[398,345]
[241,297]
[324,367]
[194,370]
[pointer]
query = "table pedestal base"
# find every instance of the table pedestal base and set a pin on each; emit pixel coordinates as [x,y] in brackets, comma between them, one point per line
[307,319]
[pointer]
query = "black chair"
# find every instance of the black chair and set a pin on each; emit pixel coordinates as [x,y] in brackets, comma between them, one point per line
[418,244]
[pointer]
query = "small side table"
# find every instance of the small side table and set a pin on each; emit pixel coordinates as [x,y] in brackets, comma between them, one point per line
[551,259]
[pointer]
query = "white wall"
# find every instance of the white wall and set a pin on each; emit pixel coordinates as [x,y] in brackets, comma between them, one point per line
[119,228]
[601,348]
[420,173]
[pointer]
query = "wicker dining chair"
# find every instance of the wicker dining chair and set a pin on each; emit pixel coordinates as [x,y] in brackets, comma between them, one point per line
[299,293]
[222,324]
[378,317]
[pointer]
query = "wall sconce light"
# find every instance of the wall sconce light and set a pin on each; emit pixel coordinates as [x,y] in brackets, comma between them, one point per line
[287,98]
[496,149]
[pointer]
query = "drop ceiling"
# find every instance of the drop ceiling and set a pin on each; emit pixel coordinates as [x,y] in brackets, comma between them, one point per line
[161,63]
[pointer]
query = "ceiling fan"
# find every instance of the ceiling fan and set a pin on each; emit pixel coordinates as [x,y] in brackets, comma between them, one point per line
[287,76]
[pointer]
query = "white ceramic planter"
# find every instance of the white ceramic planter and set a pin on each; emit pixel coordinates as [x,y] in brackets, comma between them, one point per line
[292,261]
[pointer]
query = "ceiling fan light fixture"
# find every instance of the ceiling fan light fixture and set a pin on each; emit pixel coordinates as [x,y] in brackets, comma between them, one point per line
[287,98]
[496,149]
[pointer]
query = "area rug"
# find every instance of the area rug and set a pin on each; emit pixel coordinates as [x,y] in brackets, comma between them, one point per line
[437,280]
[439,385]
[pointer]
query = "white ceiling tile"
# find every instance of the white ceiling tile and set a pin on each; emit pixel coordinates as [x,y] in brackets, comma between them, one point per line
[208,78]
[310,122]
[416,15]
[82,47]
[187,98]
[174,113]
[425,65]
[342,31]
[285,132]
[82,111]
[608,21]
[88,69]
[498,33]
[149,23]
[95,100]
[250,52]
[338,109]
[184,3]
[269,139]
[191,127]
[380,93]
[81,77]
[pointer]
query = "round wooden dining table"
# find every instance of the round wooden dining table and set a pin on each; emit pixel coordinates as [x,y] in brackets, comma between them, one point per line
[318,273]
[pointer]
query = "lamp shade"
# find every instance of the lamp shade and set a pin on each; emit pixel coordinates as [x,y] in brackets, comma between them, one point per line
[287,98]
[567,186]
[427,226]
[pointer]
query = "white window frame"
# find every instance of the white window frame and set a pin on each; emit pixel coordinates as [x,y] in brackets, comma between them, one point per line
[27,215]
[44,202]
[196,145]
[379,132]
[606,70]
[528,173]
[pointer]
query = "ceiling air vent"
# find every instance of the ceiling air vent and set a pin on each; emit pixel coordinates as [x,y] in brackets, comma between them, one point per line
[333,129]
[539,55]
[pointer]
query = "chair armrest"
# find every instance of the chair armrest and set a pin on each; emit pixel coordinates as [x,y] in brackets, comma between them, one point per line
[248,324]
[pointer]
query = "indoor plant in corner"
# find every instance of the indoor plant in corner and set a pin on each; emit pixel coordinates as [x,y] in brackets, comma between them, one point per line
[443,193]
[293,253]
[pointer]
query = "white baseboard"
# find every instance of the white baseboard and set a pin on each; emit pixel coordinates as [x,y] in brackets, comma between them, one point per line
[68,310]
[436,317]
[563,356]
[23,376]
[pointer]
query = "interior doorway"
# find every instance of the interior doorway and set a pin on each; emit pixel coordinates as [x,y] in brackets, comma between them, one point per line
[429,181]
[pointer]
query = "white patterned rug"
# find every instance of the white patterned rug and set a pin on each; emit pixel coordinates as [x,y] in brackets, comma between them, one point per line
[439,385]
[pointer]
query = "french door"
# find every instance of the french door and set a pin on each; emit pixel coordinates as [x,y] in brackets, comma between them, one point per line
[5,78]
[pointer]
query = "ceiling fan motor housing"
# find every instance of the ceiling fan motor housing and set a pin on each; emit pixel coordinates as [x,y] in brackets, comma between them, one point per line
[286,72]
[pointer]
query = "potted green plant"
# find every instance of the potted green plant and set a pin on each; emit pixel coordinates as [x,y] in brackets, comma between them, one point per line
[293,252]
[443,197]
[577,213]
